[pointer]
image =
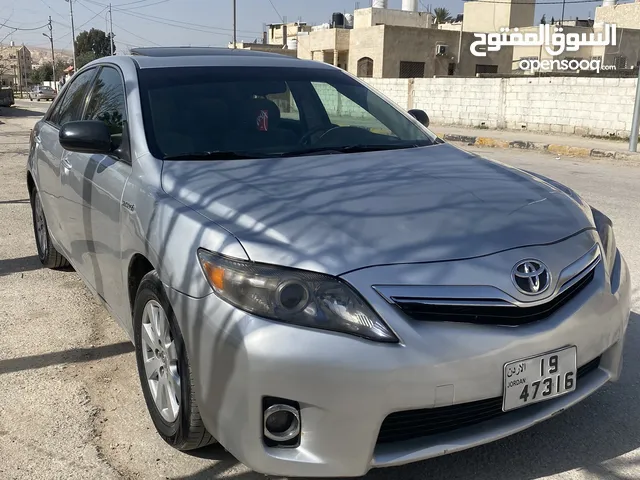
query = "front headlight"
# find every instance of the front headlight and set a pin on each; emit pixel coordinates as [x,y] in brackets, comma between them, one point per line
[604,226]
[293,296]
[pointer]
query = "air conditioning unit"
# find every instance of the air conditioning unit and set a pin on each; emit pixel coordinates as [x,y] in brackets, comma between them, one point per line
[441,50]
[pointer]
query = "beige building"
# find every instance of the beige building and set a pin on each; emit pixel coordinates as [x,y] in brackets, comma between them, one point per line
[265,47]
[492,15]
[282,33]
[15,65]
[387,43]
[624,55]
[625,15]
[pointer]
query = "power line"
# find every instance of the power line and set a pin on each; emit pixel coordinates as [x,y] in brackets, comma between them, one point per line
[85,23]
[23,29]
[192,28]
[276,10]
[140,6]
[122,28]
[54,11]
[187,25]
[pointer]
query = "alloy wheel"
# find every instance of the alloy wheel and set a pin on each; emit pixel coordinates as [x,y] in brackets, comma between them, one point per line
[160,359]
[41,225]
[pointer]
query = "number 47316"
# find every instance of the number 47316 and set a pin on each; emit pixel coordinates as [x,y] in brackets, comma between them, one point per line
[551,382]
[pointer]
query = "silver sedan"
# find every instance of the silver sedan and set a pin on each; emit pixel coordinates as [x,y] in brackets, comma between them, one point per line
[310,277]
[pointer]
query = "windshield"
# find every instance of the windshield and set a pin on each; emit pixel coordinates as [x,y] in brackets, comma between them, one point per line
[255,112]
[46,89]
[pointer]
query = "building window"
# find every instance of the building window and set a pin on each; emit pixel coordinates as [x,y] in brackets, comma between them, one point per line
[365,67]
[620,62]
[452,69]
[411,70]
[486,69]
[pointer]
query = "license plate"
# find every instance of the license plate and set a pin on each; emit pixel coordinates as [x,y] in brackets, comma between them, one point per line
[535,379]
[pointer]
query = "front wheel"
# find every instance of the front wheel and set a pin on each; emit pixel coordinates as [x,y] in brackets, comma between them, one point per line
[163,366]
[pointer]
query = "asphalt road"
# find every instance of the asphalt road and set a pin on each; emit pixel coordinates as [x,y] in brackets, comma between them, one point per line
[71,407]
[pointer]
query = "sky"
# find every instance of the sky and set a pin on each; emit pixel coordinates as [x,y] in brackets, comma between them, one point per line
[139,23]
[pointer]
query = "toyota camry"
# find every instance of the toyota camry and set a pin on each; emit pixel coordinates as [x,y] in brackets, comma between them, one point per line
[310,277]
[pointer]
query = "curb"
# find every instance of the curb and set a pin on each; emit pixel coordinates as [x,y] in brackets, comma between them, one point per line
[565,150]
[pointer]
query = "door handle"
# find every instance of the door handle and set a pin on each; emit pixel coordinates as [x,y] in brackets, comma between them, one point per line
[66,164]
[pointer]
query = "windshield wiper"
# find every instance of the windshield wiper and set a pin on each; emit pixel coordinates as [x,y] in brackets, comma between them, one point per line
[215,155]
[349,149]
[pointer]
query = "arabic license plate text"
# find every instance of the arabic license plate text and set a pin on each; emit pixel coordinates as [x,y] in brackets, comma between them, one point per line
[535,379]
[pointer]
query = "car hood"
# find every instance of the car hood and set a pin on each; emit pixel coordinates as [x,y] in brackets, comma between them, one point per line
[337,213]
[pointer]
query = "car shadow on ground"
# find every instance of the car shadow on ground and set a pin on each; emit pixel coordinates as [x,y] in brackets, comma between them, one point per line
[19,111]
[590,436]
[15,202]
[24,264]
[20,264]
[74,355]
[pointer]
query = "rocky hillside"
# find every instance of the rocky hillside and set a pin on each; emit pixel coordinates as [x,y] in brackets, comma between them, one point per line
[40,55]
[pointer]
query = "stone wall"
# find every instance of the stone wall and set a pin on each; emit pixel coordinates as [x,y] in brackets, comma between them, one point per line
[584,106]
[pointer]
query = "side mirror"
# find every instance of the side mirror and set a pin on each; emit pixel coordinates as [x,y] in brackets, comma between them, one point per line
[86,136]
[421,116]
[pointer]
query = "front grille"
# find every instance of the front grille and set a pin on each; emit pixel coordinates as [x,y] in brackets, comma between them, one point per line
[412,424]
[490,314]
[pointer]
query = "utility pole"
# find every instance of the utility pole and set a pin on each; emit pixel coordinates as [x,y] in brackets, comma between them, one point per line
[53,58]
[460,43]
[234,24]
[73,35]
[111,29]
[562,19]
[633,139]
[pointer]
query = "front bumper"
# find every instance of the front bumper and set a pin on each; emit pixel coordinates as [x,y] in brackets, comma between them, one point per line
[346,386]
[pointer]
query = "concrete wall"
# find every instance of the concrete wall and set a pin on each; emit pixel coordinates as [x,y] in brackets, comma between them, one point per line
[623,16]
[370,17]
[583,106]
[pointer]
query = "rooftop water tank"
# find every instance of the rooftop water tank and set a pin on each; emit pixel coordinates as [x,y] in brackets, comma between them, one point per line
[348,20]
[292,44]
[379,4]
[410,5]
[337,20]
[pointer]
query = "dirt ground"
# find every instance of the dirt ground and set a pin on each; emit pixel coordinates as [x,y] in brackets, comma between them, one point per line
[71,406]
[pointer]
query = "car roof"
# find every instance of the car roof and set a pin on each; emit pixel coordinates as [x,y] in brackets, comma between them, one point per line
[193,51]
[163,57]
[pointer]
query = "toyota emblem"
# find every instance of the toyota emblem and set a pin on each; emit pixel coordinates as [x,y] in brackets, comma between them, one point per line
[531,277]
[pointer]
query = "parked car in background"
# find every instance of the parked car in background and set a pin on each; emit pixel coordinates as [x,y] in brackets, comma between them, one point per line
[326,291]
[6,97]
[42,92]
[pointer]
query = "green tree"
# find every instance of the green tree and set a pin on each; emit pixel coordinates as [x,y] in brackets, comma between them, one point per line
[93,44]
[543,20]
[83,58]
[442,15]
[44,72]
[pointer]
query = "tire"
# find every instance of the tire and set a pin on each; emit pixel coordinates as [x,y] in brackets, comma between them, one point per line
[30,99]
[47,253]
[184,429]
[38,99]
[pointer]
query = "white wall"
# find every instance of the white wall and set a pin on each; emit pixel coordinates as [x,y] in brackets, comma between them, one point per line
[584,106]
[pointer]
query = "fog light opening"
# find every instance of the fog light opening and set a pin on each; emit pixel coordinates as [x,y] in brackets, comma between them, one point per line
[281,423]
